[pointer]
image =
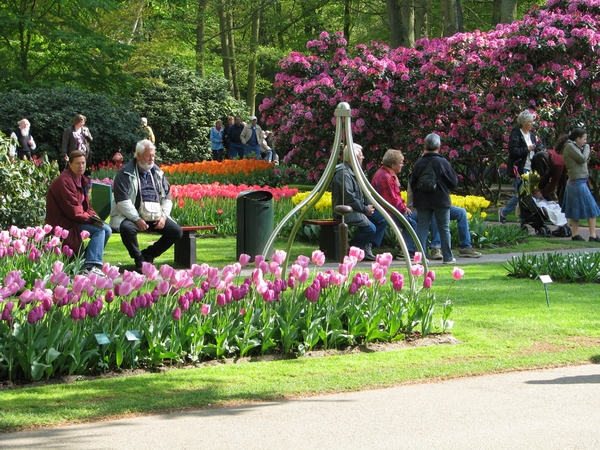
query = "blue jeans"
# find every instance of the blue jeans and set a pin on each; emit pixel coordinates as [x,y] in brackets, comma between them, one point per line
[94,253]
[236,150]
[252,149]
[410,243]
[460,215]
[372,234]
[442,216]
[269,155]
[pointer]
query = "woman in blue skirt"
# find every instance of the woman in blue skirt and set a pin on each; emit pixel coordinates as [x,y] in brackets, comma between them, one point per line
[578,202]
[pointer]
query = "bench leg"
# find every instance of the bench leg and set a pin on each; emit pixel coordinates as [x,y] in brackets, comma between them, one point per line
[185,249]
[328,242]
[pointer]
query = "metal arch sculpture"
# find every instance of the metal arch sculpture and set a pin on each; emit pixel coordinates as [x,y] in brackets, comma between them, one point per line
[343,134]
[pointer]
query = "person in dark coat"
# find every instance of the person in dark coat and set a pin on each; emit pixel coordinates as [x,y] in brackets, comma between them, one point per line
[553,174]
[24,143]
[522,146]
[346,191]
[68,206]
[436,203]
[78,137]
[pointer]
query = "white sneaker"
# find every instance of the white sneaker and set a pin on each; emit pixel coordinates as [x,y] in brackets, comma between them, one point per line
[452,261]
[95,270]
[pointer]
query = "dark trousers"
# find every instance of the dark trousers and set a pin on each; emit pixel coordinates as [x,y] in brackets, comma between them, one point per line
[170,234]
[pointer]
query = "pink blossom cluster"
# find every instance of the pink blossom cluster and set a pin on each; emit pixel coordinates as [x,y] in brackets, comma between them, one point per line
[469,88]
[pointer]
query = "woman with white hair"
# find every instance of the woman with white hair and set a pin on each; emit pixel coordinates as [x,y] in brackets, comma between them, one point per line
[24,143]
[522,146]
[217,139]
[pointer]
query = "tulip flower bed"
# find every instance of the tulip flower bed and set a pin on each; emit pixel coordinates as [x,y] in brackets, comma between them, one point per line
[51,319]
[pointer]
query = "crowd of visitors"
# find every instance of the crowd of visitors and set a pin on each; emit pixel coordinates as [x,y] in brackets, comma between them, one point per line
[142,199]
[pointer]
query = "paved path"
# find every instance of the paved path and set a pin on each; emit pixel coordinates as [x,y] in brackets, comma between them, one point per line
[542,409]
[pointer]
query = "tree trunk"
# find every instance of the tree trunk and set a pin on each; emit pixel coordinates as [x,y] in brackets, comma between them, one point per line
[200,37]
[251,94]
[347,19]
[138,21]
[421,19]
[508,11]
[394,23]
[407,11]
[230,39]
[225,57]
[453,17]
[496,12]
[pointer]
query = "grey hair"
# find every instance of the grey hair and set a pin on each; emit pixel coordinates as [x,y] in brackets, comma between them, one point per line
[144,120]
[23,121]
[347,157]
[391,157]
[142,146]
[432,142]
[525,116]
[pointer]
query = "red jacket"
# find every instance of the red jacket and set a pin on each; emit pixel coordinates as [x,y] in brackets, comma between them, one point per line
[68,205]
[386,183]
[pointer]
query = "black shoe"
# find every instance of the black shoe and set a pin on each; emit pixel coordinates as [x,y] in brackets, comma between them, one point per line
[594,239]
[147,257]
[138,264]
[579,238]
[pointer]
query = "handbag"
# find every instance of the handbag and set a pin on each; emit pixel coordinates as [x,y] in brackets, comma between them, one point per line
[149,211]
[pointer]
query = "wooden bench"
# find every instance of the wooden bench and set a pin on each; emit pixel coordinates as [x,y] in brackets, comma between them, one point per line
[185,248]
[328,236]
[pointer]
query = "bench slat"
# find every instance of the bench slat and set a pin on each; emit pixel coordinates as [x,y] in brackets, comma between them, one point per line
[322,222]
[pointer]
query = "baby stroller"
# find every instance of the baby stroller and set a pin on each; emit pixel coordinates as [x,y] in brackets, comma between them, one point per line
[538,213]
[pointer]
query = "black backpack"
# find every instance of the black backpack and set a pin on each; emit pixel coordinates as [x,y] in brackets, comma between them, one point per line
[427,180]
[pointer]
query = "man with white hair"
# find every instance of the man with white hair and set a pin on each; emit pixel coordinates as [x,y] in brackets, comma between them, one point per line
[252,136]
[147,129]
[23,141]
[346,191]
[139,183]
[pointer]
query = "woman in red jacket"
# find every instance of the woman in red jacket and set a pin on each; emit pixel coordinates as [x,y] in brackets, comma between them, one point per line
[68,206]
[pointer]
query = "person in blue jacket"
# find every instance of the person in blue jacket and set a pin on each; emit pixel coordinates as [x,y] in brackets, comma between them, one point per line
[216,140]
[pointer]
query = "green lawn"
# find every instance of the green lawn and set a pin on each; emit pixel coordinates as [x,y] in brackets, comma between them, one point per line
[501,323]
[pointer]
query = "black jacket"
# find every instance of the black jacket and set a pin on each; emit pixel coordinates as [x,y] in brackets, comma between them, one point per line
[517,151]
[446,181]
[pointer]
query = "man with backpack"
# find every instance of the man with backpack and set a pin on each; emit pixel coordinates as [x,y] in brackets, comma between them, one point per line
[431,181]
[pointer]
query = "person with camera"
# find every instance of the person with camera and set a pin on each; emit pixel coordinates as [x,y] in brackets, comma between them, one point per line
[23,141]
[142,202]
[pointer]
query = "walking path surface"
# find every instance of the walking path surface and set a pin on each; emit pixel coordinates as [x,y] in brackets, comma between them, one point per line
[542,409]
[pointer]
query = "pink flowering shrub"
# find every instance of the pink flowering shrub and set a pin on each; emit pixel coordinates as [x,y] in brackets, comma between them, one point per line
[469,88]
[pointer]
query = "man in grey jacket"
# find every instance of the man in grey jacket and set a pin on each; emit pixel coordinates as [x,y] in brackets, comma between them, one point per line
[140,179]
[346,191]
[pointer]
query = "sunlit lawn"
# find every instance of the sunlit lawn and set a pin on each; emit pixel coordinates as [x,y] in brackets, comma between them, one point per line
[501,323]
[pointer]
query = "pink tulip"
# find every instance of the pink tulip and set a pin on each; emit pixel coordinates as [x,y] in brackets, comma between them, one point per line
[318,257]
[221,299]
[84,234]
[279,256]
[258,259]
[418,257]
[163,287]
[177,314]
[458,273]
[242,312]
[343,269]
[291,281]
[427,282]
[58,231]
[166,272]
[384,259]
[244,259]
[47,228]
[358,253]
[123,289]
[205,310]
[304,276]
[64,234]
[430,274]
[417,270]
[302,261]
[57,266]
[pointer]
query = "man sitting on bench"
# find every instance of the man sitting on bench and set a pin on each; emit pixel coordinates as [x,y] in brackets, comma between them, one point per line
[143,202]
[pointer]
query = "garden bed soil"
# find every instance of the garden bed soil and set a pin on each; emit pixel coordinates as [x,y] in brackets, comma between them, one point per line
[410,342]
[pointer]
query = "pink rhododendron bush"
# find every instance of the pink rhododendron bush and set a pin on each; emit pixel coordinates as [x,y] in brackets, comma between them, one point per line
[469,88]
[53,322]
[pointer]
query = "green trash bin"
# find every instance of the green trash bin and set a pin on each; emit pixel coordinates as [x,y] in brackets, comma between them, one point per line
[255,223]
